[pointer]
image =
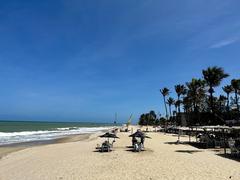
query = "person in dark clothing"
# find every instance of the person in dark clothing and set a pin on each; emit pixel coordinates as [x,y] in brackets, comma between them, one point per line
[142,140]
[134,140]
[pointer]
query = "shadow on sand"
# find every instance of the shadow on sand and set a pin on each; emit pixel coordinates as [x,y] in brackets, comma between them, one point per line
[175,143]
[229,156]
[188,151]
[194,144]
[131,150]
[97,151]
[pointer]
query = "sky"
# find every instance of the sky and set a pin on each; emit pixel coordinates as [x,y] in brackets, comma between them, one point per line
[85,60]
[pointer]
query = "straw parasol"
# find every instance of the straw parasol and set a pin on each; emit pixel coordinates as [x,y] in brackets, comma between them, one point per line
[139,134]
[109,135]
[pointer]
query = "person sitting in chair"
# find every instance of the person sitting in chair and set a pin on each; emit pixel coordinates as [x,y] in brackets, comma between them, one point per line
[134,140]
[142,141]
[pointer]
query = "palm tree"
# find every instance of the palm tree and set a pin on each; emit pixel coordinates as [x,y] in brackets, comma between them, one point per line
[221,102]
[165,92]
[187,104]
[176,105]
[236,87]
[196,92]
[180,90]
[213,77]
[152,117]
[170,102]
[228,89]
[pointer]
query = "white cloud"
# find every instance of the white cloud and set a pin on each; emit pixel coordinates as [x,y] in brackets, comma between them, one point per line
[223,43]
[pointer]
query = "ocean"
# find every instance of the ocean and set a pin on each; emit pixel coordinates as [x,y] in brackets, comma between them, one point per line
[12,132]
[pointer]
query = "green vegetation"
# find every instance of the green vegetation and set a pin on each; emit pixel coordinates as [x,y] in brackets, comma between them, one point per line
[198,102]
[148,119]
[165,92]
[213,77]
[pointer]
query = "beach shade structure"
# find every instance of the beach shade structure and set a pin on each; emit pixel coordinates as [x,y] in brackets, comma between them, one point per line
[139,134]
[106,146]
[138,146]
[109,135]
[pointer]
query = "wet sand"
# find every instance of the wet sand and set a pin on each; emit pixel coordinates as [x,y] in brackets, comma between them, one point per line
[6,149]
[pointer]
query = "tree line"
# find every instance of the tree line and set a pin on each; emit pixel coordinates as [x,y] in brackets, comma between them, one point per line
[196,101]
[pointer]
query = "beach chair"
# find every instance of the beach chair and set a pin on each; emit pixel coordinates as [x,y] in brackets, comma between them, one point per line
[137,147]
[207,140]
[124,130]
[234,150]
[106,147]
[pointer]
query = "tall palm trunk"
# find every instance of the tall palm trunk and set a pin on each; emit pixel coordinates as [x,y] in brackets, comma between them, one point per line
[236,99]
[211,101]
[170,110]
[211,98]
[179,103]
[194,105]
[164,98]
[228,102]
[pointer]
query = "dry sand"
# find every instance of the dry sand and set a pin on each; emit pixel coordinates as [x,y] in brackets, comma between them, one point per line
[6,149]
[163,159]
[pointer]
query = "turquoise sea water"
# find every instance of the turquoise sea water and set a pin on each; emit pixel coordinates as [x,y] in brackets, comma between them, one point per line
[18,126]
[26,131]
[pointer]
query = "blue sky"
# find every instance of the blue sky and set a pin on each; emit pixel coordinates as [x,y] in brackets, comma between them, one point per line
[84,60]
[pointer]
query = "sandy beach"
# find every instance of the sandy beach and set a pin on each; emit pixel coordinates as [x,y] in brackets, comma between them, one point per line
[6,149]
[163,159]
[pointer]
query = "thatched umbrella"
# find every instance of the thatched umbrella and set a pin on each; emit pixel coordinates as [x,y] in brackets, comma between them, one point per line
[109,135]
[139,134]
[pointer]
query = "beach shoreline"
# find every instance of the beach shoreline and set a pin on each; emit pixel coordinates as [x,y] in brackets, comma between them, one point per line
[15,137]
[10,148]
[163,158]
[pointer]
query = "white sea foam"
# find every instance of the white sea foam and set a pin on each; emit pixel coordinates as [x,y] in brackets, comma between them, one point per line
[27,136]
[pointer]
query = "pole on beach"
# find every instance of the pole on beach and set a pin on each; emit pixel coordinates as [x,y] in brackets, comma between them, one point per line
[224,140]
[189,134]
[179,134]
[196,133]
